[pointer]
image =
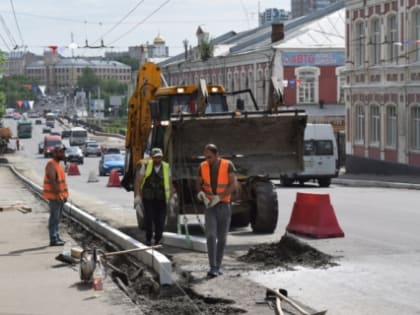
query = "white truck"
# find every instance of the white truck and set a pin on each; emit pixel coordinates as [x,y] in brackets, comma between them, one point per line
[320,157]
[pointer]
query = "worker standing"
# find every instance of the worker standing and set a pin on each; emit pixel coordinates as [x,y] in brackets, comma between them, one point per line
[153,192]
[216,183]
[56,192]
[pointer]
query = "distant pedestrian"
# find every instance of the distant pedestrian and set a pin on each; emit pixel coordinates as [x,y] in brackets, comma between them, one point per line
[216,183]
[56,192]
[153,192]
[17,144]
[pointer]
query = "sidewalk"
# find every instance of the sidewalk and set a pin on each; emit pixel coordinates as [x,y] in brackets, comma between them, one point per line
[374,180]
[33,281]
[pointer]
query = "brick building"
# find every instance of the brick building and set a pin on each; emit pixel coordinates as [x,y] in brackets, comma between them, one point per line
[382,89]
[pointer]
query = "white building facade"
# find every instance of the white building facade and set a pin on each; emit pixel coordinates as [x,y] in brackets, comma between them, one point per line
[382,85]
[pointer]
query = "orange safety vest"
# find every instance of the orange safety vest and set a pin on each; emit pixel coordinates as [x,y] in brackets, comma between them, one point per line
[222,179]
[63,192]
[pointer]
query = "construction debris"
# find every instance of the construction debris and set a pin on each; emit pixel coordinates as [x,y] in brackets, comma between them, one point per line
[19,206]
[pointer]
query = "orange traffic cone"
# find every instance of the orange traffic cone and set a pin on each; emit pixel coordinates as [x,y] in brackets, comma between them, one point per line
[114,179]
[73,169]
[313,215]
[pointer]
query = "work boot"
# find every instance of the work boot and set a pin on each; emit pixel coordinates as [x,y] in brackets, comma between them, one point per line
[57,243]
[212,273]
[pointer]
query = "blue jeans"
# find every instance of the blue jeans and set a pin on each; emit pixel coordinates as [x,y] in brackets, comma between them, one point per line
[217,228]
[56,210]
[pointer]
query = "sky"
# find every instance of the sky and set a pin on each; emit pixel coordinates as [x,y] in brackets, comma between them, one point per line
[37,25]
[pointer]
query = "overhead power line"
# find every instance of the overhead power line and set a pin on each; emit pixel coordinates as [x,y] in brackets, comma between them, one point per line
[119,22]
[17,24]
[9,35]
[4,42]
[141,22]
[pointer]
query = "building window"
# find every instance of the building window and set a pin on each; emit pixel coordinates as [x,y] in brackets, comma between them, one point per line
[307,85]
[391,126]
[360,124]
[415,114]
[341,82]
[359,44]
[375,42]
[375,125]
[393,38]
[417,32]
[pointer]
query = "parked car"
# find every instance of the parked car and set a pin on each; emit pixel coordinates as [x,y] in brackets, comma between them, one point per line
[41,147]
[110,150]
[65,133]
[109,162]
[74,154]
[91,148]
[46,129]
[38,121]
[55,133]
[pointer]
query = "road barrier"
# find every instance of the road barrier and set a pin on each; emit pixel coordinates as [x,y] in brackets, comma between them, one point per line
[73,169]
[114,179]
[314,216]
[93,177]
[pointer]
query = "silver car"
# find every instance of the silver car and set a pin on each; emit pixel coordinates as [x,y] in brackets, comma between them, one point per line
[91,148]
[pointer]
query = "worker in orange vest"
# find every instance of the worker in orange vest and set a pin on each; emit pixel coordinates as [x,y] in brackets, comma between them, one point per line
[216,183]
[55,190]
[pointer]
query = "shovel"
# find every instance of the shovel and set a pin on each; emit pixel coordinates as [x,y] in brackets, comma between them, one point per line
[283,297]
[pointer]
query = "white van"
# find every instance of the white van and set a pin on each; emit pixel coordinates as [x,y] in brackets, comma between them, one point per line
[78,136]
[320,157]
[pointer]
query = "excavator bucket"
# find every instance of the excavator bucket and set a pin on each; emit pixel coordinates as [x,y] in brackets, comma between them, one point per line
[258,144]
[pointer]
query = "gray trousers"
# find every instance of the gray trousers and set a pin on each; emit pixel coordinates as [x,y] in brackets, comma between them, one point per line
[217,228]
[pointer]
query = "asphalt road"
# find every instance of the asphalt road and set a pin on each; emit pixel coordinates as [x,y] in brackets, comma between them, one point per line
[379,257]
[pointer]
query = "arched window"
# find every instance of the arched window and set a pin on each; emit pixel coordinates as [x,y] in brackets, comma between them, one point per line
[392,38]
[415,127]
[375,41]
[307,85]
[417,31]
[375,125]
[391,126]
[243,81]
[359,44]
[360,124]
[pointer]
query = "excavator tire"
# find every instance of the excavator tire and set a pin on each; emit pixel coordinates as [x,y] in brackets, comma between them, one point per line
[265,214]
[240,219]
[286,181]
[324,182]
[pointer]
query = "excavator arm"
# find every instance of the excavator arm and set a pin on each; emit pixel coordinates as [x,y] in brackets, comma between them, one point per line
[139,120]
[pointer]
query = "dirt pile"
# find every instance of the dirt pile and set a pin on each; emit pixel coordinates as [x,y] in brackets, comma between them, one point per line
[287,253]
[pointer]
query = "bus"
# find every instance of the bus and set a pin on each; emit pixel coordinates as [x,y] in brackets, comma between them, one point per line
[24,129]
[78,136]
[50,120]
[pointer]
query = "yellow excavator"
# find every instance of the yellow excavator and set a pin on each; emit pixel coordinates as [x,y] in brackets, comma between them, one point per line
[5,136]
[182,119]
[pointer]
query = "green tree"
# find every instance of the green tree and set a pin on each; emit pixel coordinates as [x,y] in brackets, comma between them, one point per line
[14,88]
[206,48]
[110,88]
[89,81]
[132,62]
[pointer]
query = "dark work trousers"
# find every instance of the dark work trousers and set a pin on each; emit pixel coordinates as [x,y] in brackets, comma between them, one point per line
[56,211]
[217,228]
[154,217]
